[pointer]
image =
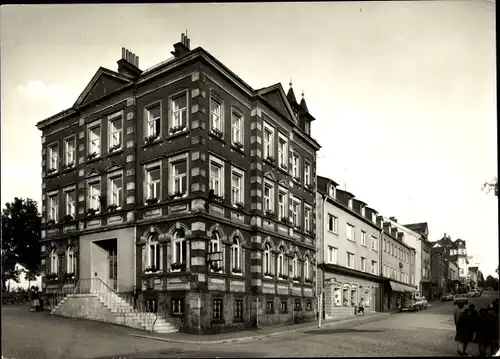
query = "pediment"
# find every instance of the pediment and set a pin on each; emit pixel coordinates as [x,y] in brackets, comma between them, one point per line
[270,176]
[283,184]
[437,245]
[114,166]
[103,82]
[92,173]
[276,97]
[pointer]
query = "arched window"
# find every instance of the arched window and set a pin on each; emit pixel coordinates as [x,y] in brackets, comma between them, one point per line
[215,246]
[54,262]
[295,271]
[70,260]
[354,295]
[281,262]
[345,296]
[267,259]
[153,255]
[367,296]
[236,256]
[307,270]
[179,255]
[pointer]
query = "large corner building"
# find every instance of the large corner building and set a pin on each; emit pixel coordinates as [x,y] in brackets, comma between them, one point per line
[185,183]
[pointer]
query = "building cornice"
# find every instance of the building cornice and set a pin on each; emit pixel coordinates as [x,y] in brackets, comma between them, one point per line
[335,268]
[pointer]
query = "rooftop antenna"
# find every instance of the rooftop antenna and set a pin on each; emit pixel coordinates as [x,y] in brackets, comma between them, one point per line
[345,179]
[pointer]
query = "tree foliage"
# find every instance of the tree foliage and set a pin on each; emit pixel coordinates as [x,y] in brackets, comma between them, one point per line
[21,223]
[490,186]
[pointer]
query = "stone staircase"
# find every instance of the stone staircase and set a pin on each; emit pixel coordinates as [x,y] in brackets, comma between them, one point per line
[108,306]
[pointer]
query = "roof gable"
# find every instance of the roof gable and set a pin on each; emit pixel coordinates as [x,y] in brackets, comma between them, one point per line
[103,82]
[276,97]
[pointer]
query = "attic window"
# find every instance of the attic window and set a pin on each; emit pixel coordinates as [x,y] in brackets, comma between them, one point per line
[307,127]
[362,210]
[350,203]
[331,191]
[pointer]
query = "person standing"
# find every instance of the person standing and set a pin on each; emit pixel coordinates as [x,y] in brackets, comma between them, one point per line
[361,307]
[483,332]
[463,336]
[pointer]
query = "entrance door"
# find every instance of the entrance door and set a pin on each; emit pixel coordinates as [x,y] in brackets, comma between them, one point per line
[113,269]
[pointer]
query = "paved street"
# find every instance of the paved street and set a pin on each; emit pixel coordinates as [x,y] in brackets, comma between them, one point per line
[426,333]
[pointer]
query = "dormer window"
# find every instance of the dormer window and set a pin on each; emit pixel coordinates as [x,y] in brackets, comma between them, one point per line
[331,191]
[374,217]
[350,203]
[307,127]
[362,210]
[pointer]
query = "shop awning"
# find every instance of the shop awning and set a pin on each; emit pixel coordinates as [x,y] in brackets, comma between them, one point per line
[402,288]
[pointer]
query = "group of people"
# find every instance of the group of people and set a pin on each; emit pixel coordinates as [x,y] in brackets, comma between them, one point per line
[477,327]
[36,303]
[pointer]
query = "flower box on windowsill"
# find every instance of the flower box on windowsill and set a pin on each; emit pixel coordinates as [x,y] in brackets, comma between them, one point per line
[283,277]
[296,279]
[91,212]
[176,129]
[92,156]
[69,276]
[112,207]
[283,167]
[114,148]
[217,198]
[51,171]
[269,275]
[270,159]
[68,166]
[176,195]
[151,201]
[51,276]
[216,268]
[151,270]
[308,281]
[51,222]
[177,266]
[151,138]
[296,179]
[270,214]
[239,205]
[297,229]
[237,271]
[308,186]
[67,218]
[238,145]
[218,133]
[285,220]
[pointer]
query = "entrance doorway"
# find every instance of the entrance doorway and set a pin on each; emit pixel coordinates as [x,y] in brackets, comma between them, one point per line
[105,262]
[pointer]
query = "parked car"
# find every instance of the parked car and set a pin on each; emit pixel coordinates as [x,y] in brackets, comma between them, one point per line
[446,297]
[421,302]
[409,306]
[461,298]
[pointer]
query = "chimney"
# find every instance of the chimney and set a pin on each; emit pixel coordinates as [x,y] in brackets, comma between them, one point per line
[128,65]
[393,219]
[380,221]
[181,47]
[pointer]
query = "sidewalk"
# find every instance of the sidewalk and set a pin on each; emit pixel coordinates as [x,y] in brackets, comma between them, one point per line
[258,333]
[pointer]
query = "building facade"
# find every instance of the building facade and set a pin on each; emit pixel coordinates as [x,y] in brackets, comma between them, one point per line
[456,251]
[415,236]
[472,277]
[398,267]
[439,272]
[349,255]
[183,182]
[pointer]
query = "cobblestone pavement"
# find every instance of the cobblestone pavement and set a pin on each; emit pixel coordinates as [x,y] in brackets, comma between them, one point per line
[426,333]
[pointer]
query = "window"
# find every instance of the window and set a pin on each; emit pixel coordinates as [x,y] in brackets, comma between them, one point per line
[374,267]
[95,141]
[153,182]
[374,243]
[236,256]
[268,196]
[237,127]
[298,305]
[363,238]
[179,111]
[115,132]
[307,219]
[177,306]
[349,232]
[236,186]
[54,262]
[331,191]
[216,114]
[70,260]
[70,198]
[94,195]
[217,313]
[153,254]
[307,269]
[363,264]
[332,255]
[215,246]
[268,269]
[350,203]
[178,170]
[116,190]
[296,213]
[217,176]
[269,306]
[152,305]
[284,307]
[295,269]
[385,245]
[367,296]
[384,270]
[179,255]
[268,141]
[153,118]
[350,260]
[296,166]
[238,309]
[53,158]
[332,224]
[282,152]
[307,174]
[281,262]
[282,205]
[69,151]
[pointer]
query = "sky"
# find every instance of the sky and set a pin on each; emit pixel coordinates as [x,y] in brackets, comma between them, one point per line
[403,93]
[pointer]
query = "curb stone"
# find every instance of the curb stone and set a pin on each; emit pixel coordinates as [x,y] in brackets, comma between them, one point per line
[255,337]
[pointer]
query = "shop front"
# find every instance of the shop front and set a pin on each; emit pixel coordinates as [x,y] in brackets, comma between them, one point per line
[396,293]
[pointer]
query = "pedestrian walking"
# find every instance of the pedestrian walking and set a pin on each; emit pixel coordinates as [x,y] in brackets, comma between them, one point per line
[361,307]
[494,325]
[458,312]
[464,334]
[484,337]
[35,299]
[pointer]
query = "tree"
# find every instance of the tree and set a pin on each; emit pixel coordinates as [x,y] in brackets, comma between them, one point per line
[491,186]
[21,224]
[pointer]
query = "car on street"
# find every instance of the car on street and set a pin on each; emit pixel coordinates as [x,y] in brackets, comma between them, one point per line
[461,298]
[422,302]
[446,297]
[471,293]
[414,305]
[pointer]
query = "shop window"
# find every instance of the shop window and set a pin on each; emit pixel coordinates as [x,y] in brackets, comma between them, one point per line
[354,295]
[238,309]
[217,311]
[269,307]
[337,296]
[177,306]
[284,307]
[309,305]
[367,297]
[345,296]
[152,305]
[298,306]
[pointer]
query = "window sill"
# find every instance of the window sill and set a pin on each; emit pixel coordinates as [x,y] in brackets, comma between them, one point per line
[238,149]
[351,240]
[332,232]
[177,134]
[269,278]
[284,170]
[217,137]
[53,174]
[297,181]
[95,159]
[116,152]
[177,315]
[270,162]
[239,274]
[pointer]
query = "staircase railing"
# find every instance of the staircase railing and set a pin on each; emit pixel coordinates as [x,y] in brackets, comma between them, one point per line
[97,286]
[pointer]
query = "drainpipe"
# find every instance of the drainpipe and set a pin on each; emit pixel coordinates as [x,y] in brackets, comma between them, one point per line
[320,297]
